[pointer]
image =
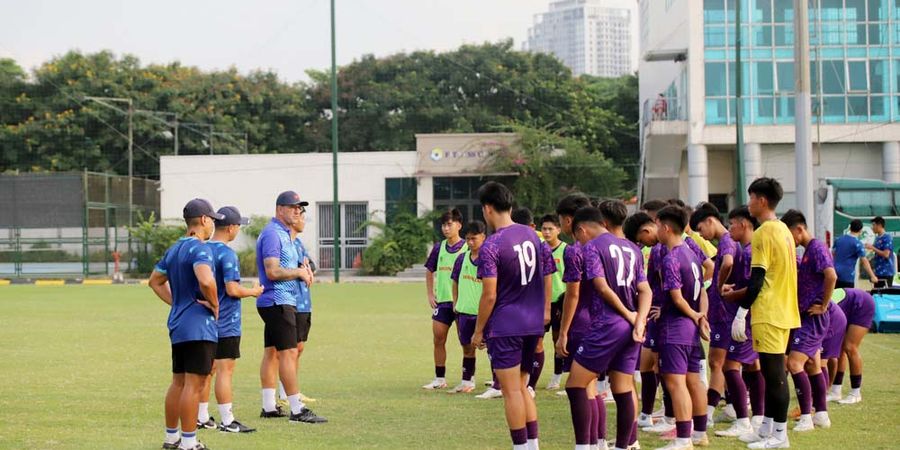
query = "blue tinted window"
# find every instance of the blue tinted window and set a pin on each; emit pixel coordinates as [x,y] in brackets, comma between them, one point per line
[716,80]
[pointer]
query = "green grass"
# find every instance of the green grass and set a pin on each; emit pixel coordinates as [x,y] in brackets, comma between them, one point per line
[87,367]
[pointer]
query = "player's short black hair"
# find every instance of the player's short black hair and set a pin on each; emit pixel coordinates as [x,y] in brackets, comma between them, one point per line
[633,225]
[856,226]
[743,212]
[475,227]
[614,211]
[793,217]
[588,214]
[878,220]
[653,205]
[552,218]
[496,195]
[571,203]
[676,202]
[769,188]
[451,215]
[523,216]
[673,216]
[193,221]
[704,211]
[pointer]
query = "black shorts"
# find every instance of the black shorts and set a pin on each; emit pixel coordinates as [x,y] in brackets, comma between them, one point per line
[229,348]
[280,326]
[844,284]
[304,323]
[193,357]
[555,315]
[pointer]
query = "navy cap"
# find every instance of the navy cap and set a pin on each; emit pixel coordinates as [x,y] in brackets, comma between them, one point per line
[289,198]
[231,216]
[199,207]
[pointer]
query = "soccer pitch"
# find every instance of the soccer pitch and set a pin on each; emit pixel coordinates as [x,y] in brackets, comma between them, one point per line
[88,366]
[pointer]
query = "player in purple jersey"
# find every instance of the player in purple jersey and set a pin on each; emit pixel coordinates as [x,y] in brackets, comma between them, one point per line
[815,282]
[859,307]
[515,272]
[834,340]
[466,294]
[682,323]
[619,303]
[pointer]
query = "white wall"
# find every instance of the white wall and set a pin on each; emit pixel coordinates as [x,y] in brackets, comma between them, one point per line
[666,29]
[252,182]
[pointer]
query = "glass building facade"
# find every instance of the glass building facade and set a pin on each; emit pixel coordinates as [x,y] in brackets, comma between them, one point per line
[854,68]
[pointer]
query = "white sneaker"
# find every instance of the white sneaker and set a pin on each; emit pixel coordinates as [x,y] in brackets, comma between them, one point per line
[756,422]
[562,393]
[700,439]
[804,424]
[678,444]
[834,396]
[771,442]
[645,420]
[490,393]
[602,445]
[438,383]
[821,419]
[663,426]
[710,421]
[752,437]
[635,446]
[554,382]
[851,399]
[464,387]
[737,429]
[727,415]
[531,391]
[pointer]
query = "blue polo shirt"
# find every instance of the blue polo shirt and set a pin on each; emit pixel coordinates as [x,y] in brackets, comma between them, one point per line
[847,251]
[304,301]
[227,270]
[884,267]
[188,319]
[275,242]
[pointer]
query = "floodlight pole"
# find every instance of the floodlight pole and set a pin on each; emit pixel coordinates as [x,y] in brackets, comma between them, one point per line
[803,114]
[335,207]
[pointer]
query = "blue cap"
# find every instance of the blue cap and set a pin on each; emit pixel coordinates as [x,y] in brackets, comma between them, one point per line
[231,216]
[289,198]
[199,207]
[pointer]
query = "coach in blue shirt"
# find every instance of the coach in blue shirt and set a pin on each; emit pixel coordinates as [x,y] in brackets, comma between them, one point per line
[187,267]
[883,248]
[847,251]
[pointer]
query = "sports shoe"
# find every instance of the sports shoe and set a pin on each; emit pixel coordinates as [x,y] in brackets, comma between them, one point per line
[645,420]
[635,446]
[531,391]
[437,383]
[235,427]
[174,446]
[602,445]
[272,414]
[737,429]
[710,421]
[490,393]
[851,399]
[554,382]
[676,445]
[306,399]
[198,446]
[726,415]
[821,419]
[209,424]
[752,437]
[805,423]
[307,416]
[662,426]
[463,388]
[700,439]
[756,422]
[668,435]
[771,442]
[834,396]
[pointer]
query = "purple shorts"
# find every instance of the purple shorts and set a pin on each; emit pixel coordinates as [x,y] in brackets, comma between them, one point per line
[679,359]
[834,338]
[465,327]
[572,347]
[720,335]
[809,337]
[651,336]
[609,348]
[859,312]
[511,351]
[444,313]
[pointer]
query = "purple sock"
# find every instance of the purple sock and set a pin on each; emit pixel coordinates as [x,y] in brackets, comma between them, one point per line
[536,369]
[601,417]
[624,418]
[468,372]
[595,420]
[557,365]
[440,371]
[713,397]
[682,430]
[633,434]
[838,378]
[738,390]
[700,423]
[519,437]
[581,415]
[648,391]
[496,384]
[667,402]
[855,381]
[531,429]
[819,392]
[756,386]
[804,391]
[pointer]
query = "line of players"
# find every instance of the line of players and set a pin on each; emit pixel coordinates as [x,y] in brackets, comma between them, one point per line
[615,312]
[199,278]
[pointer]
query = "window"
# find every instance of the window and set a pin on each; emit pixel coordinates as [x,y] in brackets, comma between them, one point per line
[833,77]
[857,76]
[713,11]
[763,77]
[715,79]
[399,197]
[786,76]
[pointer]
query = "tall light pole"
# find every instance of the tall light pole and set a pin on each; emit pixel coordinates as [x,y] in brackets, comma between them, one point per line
[741,196]
[130,112]
[803,114]
[335,207]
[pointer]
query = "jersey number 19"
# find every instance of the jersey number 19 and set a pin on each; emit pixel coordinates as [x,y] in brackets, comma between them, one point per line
[527,260]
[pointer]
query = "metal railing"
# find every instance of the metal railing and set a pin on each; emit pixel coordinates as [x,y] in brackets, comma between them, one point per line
[664,109]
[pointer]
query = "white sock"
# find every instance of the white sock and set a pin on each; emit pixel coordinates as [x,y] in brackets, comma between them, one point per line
[281,394]
[172,435]
[806,417]
[855,392]
[520,447]
[710,411]
[577,447]
[684,442]
[780,430]
[533,444]
[268,399]
[835,389]
[203,413]
[296,404]
[189,440]
[766,428]
[821,415]
[226,413]
[745,422]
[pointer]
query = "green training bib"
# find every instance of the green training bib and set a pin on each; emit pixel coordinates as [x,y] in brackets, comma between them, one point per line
[443,285]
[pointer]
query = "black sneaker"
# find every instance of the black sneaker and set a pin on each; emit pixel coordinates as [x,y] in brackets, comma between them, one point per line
[272,414]
[174,446]
[235,427]
[209,424]
[307,416]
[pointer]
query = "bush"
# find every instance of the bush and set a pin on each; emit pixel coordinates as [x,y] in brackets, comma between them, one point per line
[247,260]
[154,238]
[400,245]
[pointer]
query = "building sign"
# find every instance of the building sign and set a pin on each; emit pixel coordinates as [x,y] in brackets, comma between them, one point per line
[459,154]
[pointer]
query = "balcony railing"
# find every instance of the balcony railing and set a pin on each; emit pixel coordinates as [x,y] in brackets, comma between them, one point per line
[664,109]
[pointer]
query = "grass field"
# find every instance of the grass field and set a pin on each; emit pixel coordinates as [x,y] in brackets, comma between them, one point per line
[88,366]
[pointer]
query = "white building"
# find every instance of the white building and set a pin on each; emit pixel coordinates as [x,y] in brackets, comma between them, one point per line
[594,37]
[687,55]
[444,171]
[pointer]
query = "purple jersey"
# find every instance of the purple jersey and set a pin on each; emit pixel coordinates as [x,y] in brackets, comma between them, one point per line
[621,263]
[681,270]
[516,258]
[811,274]
[717,310]
[654,267]
[740,276]
[573,263]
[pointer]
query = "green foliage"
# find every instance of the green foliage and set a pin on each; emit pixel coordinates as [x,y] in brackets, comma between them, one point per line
[154,238]
[255,227]
[247,261]
[400,244]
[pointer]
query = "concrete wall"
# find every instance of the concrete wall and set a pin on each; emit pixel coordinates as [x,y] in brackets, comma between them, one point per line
[664,30]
